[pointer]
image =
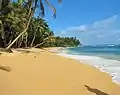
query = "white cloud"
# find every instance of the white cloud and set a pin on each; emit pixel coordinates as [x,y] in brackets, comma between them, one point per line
[101,25]
[81,28]
[106,23]
[93,33]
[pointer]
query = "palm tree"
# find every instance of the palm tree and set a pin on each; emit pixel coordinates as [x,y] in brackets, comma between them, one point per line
[38,25]
[38,31]
[31,13]
[12,23]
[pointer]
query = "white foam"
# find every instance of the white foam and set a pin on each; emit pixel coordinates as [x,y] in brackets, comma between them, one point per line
[112,67]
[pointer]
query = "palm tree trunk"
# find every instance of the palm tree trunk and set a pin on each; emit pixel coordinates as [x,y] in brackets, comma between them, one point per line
[25,30]
[33,40]
[26,42]
[16,43]
[10,40]
[0,4]
[19,35]
[20,43]
[39,44]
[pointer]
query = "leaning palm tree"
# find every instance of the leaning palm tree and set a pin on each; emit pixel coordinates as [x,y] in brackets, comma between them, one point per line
[40,30]
[32,7]
[12,23]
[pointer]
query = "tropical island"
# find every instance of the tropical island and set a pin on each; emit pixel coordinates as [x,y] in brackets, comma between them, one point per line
[27,65]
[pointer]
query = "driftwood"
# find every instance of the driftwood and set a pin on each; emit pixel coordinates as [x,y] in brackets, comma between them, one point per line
[6,50]
[5,68]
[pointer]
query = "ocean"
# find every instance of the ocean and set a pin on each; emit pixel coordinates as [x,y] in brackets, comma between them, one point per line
[104,57]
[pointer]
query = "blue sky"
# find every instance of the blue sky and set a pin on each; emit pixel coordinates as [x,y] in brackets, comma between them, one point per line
[91,21]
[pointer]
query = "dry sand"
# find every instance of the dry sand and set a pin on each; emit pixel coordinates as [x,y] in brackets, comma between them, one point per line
[43,73]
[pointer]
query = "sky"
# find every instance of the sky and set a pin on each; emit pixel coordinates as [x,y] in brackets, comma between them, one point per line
[93,22]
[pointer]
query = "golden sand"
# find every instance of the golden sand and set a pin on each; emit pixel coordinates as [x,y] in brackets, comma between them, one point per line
[43,73]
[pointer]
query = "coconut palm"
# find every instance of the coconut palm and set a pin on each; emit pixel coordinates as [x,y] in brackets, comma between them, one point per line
[38,31]
[12,23]
[32,7]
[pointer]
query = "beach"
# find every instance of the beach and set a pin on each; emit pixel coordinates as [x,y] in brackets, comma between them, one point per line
[40,72]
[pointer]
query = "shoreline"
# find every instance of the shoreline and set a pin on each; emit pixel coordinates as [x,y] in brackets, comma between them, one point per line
[93,63]
[44,73]
[86,59]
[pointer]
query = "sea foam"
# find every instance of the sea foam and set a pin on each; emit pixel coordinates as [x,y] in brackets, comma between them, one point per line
[112,67]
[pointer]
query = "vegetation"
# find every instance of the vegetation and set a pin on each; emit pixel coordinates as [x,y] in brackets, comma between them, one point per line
[20,29]
[63,42]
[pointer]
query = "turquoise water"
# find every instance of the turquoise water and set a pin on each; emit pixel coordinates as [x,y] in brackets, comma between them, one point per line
[109,52]
[105,57]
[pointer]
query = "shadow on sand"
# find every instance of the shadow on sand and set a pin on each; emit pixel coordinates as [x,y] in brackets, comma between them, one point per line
[96,91]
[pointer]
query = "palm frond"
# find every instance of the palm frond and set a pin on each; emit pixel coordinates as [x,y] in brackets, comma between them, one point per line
[42,8]
[52,7]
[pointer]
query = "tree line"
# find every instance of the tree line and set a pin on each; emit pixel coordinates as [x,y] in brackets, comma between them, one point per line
[19,28]
[63,42]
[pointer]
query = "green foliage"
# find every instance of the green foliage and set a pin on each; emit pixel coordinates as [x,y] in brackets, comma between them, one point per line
[67,42]
[63,42]
[12,23]
[3,4]
[38,33]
